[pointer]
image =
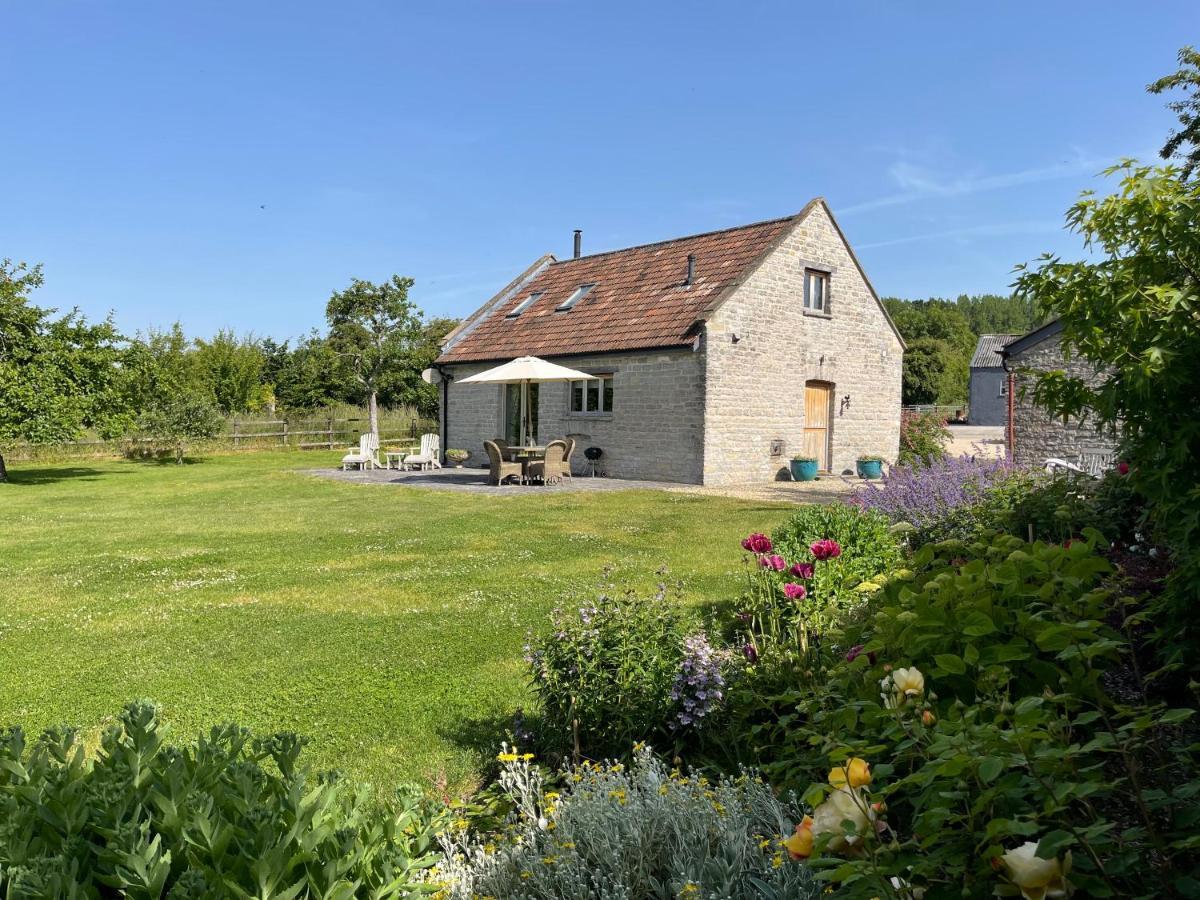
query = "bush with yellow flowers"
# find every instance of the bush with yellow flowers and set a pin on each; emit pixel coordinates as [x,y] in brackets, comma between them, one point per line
[630,831]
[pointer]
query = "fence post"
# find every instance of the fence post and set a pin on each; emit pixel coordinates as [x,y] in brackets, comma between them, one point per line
[285,433]
[331,432]
[236,430]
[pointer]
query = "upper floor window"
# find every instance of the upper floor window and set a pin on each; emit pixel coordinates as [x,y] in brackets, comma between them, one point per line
[816,291]
[594,396]
[580,292]
[524,304]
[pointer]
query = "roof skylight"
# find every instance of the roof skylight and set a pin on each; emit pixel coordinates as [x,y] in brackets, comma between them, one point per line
[580,292]
[524,304]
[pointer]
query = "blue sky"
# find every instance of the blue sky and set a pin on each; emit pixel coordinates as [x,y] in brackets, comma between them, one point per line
[232,163]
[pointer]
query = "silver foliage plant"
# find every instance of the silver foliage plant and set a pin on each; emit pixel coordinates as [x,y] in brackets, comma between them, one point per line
[619,833]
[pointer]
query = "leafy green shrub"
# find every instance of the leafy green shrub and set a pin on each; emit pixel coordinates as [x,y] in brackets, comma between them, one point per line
[631,832]
[1062,506]
[231,816]
[868,546]
[923,438]
[989,713]
[620,670]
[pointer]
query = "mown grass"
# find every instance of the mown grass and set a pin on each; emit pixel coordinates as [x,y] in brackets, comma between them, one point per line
[380,621]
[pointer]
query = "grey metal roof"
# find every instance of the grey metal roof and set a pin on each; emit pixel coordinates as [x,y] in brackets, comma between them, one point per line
[1023,343]
[987,351]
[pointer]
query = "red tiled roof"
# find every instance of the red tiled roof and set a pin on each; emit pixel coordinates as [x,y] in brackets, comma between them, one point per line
[640,300]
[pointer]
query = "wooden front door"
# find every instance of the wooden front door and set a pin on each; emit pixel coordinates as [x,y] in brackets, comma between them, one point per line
[818,401]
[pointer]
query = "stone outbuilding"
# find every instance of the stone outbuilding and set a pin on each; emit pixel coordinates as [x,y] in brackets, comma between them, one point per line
[1033,434]
[988,386]
[719,356]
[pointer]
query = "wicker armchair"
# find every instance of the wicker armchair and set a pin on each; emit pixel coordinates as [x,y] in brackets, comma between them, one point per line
[567,458]
[501,468]
[550,468]
[506,452]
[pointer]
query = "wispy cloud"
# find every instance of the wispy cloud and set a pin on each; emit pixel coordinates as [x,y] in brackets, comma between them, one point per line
[971,231]
[920,183]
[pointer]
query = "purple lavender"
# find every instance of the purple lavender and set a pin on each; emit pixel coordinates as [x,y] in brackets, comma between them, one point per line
[699,686]
[922,495]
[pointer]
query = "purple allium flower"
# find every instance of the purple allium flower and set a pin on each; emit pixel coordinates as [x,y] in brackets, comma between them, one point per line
[751,653]
[774,562]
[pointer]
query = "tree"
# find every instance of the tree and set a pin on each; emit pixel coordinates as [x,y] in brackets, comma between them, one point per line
[1133,310]
[174,419]
[997,314]
[940,344]
[405,387]
[232,367]
[311,376]
[57,374]
[931,373]
[377,331]
[1183,144]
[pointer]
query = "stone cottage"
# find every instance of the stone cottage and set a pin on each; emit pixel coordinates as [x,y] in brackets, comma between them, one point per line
[988,385]
[1033,434]
[720,355]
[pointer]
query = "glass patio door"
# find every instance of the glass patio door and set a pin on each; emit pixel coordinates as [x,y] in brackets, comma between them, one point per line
[512,412]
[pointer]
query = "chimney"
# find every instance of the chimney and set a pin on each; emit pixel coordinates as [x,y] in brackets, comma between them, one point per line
[578,241]
[691,272]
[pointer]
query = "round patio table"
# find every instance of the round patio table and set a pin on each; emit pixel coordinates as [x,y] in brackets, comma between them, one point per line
[525,455]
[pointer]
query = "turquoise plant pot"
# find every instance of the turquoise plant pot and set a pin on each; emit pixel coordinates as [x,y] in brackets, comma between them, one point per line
[869,468]
[804,469]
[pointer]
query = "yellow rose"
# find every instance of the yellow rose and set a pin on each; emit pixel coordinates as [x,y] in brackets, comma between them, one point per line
[1037,878]
[800,844]
[840,806]
[856,773]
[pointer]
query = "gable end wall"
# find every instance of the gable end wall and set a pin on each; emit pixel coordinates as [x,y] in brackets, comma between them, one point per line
[755,387]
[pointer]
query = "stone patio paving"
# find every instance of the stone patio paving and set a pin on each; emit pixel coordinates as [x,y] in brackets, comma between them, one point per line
[475,481]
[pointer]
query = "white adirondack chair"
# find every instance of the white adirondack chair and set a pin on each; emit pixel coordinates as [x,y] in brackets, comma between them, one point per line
[367,455]
[430,455]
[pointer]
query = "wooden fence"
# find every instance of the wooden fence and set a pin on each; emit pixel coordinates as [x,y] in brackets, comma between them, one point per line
[302,433]
[311,434]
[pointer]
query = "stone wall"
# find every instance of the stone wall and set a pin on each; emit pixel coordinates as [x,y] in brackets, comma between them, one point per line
[755,385]
[988,400]
[1040,436]
[655,431]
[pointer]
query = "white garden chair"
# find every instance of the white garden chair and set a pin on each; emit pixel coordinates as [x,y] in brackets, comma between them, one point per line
[367,455]
[429,456]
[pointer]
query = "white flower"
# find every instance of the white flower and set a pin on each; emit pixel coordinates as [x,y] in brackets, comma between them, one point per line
[1037,878]
[842,805]
[900,685]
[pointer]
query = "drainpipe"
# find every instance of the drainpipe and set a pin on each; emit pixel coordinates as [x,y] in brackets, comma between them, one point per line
[1011,430]
[444,411]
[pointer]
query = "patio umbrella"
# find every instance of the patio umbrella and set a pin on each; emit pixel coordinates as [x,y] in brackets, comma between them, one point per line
[526,370]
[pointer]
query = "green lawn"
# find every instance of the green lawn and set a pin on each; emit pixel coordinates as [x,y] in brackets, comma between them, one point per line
[380,621]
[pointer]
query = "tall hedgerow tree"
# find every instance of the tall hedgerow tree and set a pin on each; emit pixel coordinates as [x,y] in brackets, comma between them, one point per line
[377,330]
[58,373]
[232,366]
[1184,143]
[1133,310]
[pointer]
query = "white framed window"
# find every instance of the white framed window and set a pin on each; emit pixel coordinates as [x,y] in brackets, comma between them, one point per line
[524,304]
[816,291]
[580,292]
[593,397]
